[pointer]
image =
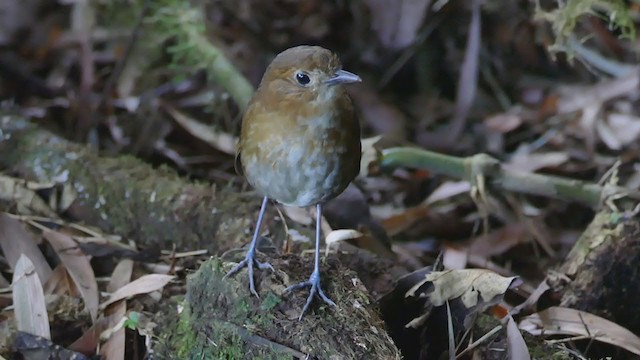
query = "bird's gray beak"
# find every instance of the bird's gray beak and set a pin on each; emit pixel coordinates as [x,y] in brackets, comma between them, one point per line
[343,77]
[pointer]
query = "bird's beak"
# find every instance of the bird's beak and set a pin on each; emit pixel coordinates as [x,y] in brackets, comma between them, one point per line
[343,77]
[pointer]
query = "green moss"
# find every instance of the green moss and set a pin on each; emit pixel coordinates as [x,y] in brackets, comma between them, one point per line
[270,302]
[240,312]
[187,338]
[181,25]
[564,19]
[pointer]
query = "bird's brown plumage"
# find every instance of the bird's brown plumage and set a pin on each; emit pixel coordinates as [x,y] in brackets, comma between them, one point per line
[300,144]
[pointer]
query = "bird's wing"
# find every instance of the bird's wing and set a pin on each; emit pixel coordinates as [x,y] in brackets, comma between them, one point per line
[237,165]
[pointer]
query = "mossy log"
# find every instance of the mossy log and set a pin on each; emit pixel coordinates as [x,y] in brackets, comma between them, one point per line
[602,269]
[218,320]
[122,195]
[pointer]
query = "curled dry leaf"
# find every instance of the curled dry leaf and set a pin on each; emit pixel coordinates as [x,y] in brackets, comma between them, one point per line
[447,190]
[565,321]
[217,139]
[454,257]
[503,123]
[396,224]
[113,348]
[143,285]
[65,197]
[79,268]
[500,240]
[619,130]
[60,283]
[25,196]
[28,300]
[370,156]
[301,216]
[531,162]
[471,285]
[16,241]
[341,235]
[576,98]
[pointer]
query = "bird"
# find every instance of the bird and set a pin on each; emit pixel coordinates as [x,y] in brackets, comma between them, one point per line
[299,144]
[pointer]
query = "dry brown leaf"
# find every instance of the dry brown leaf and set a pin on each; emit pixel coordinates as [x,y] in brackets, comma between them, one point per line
[88,342]
[303,216]
[397,21]
[217,139]
[499,241]
[395,224]
[576,98]
[60,283]
[113,348]
[370,155]
[619,130]
[78,267]
[300,215]
[565,321]
[532,162]
[516,345]
[447,190]
[143,285]
[471,285]
[533,298]
[26,199]
[121,275]
[28,300]
[454,257]
[467,84]
[503,123]
[15,241]
[340,235]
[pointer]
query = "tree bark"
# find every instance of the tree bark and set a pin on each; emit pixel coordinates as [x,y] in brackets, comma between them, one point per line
[603,269]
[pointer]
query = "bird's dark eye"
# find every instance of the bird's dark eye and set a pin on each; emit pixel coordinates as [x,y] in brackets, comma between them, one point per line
[302,78]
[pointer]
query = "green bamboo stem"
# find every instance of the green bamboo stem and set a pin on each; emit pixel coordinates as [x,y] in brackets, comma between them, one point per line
[499,177]
[184,22]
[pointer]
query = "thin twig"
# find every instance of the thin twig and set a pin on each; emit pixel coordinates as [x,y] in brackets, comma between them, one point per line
[476,343]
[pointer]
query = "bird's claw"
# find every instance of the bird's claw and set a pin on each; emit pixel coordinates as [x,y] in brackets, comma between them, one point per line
[249,261]
[314,282]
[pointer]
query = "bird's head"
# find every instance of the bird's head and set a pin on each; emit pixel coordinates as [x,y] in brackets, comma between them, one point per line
[307,73]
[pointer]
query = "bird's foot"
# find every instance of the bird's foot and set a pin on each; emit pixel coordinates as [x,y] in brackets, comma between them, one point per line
[314,282]
[249,261]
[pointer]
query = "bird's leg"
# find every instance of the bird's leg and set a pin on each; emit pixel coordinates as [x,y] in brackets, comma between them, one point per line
[250,258]
[314,279]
